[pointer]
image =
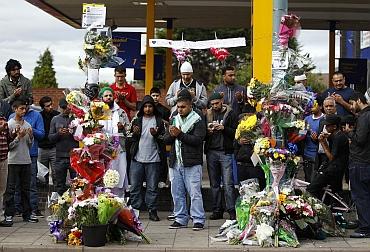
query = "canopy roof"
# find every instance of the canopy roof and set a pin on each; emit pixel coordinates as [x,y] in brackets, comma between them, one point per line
[315,14]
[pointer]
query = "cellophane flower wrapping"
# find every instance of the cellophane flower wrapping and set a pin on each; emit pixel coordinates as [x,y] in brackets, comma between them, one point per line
[248,128]
[248,196]
[108,204]
[287,234]
[100,110]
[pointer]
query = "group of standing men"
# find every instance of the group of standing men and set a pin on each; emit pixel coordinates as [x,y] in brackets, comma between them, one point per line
[193,119]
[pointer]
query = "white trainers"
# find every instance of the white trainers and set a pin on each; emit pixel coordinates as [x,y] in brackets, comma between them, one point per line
[162,185]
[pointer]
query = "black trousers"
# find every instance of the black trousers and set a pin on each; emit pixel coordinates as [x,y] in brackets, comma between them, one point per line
[248,171]
[21,172]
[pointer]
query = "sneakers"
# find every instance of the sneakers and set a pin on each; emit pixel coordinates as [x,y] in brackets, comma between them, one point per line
[153,216]
[31,219]
[162,185]
[198,226]
[171,217]
[216,216]
[38,214]
[176,225]
[7,222]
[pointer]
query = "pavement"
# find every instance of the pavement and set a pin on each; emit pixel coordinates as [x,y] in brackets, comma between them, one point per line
[35,237]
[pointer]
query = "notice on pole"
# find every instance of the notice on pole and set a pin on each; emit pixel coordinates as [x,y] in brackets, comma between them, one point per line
[93,14]
[279,60]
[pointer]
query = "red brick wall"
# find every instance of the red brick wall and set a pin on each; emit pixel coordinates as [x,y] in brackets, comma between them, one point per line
[57,93]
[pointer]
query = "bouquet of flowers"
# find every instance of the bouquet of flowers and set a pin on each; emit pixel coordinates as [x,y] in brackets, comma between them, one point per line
[100,110]
[277,154]
[299,211]
[280,114]
[126,219]
[108,204]
[261,146]
[84,213]
[247,128]
[90,169]
[257,90]
[75,237]
[111,179]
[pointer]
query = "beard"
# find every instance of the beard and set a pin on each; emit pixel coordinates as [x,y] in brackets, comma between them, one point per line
[110,104]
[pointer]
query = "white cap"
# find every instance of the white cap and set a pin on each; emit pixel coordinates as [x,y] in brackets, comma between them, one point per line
[300,77]
[186,68]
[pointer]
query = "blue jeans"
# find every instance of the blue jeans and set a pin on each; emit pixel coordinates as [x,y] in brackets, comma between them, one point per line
[359,176]
[219,165]
[138,172]
[34,198]
[187,180]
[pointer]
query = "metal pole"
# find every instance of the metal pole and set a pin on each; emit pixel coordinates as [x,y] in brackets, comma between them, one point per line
[169,77]
[332,29]
[280,9]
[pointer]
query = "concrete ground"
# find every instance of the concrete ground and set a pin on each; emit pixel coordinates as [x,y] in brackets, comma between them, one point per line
[35,237]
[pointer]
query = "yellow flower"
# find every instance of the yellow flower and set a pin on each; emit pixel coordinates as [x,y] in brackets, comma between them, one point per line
[282,197]
[276,155]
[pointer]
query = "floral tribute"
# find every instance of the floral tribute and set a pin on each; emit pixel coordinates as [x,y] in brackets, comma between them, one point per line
[89,200]
[277,214]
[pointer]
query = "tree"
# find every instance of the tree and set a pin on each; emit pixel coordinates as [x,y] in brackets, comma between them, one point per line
[44,74]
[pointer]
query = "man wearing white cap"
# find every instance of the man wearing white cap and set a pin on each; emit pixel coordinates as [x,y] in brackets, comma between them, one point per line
[196,89]
[302,80]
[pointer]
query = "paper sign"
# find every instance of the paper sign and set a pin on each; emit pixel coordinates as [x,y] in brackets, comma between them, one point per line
[255,159]
[93,14]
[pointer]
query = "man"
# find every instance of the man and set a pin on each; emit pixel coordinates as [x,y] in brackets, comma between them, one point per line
[115,126]
[155,93]
[222,123]
[336,148]
[197,90]
[19,165]
[34,118]
[4,148]
[329,109]
[233,94]
[124,94]
[14,86]
[341,93]
[62,136]
[147,143]
[186,134]
[301,80]
[47,152]
[311,142]
[359,167]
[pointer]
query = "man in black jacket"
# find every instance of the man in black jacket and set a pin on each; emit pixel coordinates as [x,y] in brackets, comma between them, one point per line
[359,166]
[186,134]
[47,151]
[146,149]
[221,126]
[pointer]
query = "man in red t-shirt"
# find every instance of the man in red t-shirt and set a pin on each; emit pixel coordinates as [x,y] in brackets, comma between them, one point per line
[124,94]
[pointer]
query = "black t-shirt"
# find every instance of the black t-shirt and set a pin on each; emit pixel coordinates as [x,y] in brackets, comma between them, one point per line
[339,148]
[192,85]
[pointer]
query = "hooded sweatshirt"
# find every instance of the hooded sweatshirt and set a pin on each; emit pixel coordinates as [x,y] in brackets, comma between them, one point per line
[137,141]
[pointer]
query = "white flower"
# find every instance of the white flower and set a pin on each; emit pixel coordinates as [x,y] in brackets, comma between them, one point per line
[111,178]
[263,233]
[88,141]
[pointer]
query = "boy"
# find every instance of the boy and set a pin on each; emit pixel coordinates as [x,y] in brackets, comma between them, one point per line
[19,165]
[155,93]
